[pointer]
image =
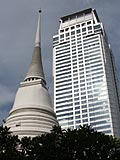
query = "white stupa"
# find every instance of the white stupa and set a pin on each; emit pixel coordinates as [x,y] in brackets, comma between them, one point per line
[32,113]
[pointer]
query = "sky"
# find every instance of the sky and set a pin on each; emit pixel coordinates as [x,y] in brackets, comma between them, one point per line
[18,22]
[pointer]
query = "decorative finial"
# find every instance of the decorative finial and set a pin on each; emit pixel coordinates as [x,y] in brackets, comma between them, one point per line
[37,39]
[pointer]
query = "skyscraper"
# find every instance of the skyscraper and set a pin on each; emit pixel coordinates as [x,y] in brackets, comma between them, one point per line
[32,113]
[85,83]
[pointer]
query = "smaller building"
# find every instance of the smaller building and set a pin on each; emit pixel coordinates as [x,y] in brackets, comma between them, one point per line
[32,113]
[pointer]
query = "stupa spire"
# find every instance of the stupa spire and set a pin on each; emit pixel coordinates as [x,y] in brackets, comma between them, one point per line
[37,38]
[36,68]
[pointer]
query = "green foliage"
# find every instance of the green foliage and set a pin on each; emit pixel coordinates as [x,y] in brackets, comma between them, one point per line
[82,144]
[8,145]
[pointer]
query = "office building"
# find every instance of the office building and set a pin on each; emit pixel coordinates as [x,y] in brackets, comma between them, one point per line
[85,83]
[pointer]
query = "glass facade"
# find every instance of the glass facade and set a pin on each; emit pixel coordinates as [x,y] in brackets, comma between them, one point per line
[85,83]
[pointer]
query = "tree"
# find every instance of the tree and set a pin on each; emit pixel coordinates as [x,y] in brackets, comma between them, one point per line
[82,144]
[9,145]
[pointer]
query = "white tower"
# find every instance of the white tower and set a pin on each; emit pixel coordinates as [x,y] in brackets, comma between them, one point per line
[85,83]
[32,113]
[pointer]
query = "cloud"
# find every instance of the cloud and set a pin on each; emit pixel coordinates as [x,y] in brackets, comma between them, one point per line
[88,2]
[3,115]
[6,95]
[6,101]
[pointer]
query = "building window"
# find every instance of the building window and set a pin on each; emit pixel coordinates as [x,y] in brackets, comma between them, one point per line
[67,34]
[84,106]
[83,29]
[73,32]
[83,24]
[90,28]
[89,22]
[85,120]
[62,36]
[66,29]
[77,26]
[78,31]
[72,27]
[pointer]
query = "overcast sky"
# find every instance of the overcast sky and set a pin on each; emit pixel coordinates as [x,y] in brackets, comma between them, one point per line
[18,21]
